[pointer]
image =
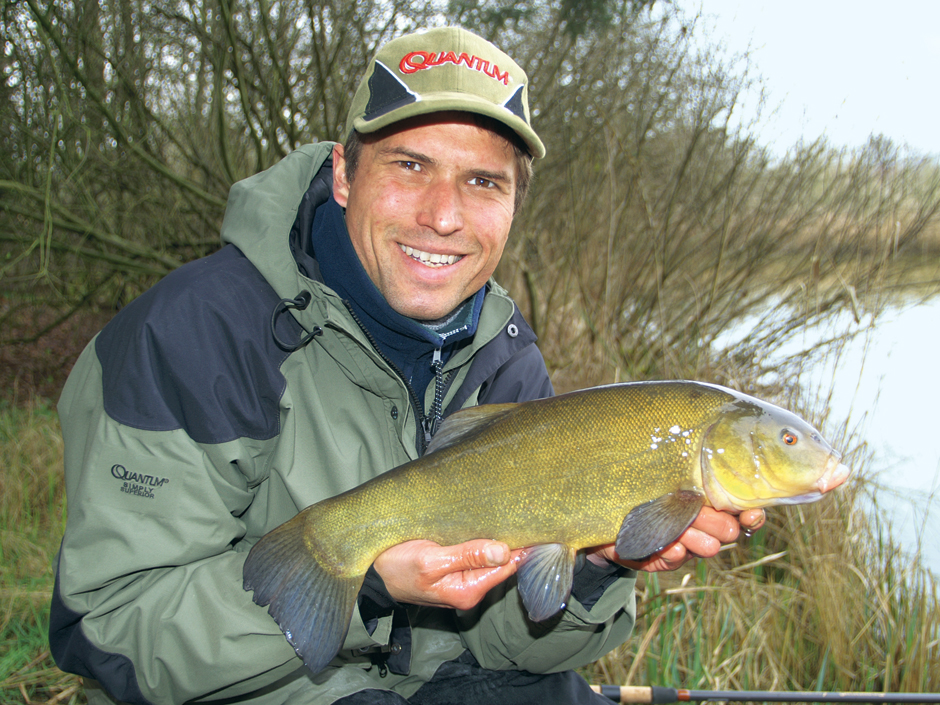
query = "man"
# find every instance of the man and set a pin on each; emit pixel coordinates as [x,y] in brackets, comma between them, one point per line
[350,310]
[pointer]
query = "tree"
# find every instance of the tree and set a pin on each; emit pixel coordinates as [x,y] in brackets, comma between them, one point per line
[652,225]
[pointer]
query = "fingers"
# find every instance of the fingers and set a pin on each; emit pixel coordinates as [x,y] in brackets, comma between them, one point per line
[720,527]
[752,519]
[713,526]
[704,539]
[479,553]
[670,558]
[425,573]
[464,590]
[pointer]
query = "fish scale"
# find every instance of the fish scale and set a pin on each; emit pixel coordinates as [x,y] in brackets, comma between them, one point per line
[627,464]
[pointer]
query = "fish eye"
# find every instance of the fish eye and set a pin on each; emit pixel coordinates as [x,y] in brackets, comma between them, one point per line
[788,437]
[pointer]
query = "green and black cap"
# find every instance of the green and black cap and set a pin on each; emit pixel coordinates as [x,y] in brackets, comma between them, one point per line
[443,69]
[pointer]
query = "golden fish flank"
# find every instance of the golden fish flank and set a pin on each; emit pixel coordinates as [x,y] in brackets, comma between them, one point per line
[629,464]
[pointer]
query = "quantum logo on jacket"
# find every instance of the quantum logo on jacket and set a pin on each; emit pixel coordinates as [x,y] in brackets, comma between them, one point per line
[137,484]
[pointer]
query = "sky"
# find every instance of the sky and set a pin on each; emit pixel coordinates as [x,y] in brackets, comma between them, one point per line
[845,69]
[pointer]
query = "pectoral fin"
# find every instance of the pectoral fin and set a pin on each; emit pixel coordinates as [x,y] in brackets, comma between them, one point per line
[545,576]
[652,526]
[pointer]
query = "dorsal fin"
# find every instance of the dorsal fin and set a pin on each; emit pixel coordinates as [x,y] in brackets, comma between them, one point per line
[467,423]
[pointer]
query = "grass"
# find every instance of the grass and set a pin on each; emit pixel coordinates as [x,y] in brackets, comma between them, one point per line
[32,519]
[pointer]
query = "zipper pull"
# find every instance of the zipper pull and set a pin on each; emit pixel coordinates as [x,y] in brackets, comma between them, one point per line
[433,419]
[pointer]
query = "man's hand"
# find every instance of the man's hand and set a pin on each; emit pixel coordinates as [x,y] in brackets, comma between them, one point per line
[425,573]
[704,539]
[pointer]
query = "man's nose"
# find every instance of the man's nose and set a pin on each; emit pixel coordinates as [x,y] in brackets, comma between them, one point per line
[442,208]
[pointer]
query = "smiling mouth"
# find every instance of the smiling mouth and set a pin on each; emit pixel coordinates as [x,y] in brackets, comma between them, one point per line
[430,259]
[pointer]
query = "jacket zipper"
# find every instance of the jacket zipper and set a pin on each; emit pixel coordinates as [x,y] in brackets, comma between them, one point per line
[441,385]
[427,427]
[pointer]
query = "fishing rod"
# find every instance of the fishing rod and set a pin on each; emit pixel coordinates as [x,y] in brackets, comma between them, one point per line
[656,694]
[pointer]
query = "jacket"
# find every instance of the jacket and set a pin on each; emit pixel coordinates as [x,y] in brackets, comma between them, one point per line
[235,392]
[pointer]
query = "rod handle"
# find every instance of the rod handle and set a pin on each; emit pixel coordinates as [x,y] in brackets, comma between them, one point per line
[654,695]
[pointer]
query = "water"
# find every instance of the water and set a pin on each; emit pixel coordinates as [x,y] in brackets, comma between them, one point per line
[892,376]
[886,381]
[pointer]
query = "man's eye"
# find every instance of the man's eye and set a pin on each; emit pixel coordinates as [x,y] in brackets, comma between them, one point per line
[411,166]
[480,181]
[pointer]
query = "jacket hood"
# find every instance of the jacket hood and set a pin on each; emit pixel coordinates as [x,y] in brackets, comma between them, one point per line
[262,209]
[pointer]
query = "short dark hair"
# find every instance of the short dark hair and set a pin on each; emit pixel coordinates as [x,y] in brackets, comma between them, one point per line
[523,160]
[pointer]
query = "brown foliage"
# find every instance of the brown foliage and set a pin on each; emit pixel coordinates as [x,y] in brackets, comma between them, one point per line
[37,352]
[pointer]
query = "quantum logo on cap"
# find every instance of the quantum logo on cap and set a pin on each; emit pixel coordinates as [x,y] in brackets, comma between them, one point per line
[418,60]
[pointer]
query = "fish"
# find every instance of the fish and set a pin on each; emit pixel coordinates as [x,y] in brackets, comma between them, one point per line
[627,464]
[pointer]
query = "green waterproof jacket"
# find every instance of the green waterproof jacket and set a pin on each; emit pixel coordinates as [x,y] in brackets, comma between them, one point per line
[234,393]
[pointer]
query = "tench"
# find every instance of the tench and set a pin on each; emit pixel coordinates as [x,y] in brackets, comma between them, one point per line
[628,464]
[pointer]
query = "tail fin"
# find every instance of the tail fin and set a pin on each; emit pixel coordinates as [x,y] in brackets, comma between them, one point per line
[310,605]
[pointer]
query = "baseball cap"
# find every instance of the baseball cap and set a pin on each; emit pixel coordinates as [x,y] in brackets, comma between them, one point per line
[441,69]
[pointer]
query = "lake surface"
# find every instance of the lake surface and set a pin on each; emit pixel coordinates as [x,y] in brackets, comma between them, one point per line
[890,381]
[886,381]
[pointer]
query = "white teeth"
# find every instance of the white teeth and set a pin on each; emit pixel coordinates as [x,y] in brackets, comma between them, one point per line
[432,260]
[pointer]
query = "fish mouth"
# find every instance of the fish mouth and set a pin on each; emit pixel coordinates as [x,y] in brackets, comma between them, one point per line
[836,473]
[431,259]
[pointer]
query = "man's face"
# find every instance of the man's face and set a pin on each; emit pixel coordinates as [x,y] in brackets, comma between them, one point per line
[429,210]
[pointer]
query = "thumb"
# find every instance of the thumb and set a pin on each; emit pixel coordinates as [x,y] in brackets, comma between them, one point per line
[480,553]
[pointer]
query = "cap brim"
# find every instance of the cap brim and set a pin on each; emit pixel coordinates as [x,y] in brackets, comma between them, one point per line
[455,101]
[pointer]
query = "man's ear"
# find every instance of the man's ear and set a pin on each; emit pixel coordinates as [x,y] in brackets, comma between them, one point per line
[340,182]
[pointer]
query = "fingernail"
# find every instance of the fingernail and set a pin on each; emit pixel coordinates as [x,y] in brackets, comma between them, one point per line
[495,554]
[755,523]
